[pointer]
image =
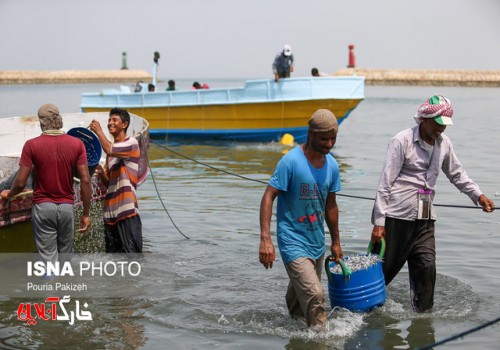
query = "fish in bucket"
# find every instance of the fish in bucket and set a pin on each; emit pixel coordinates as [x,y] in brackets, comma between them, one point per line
[357,282]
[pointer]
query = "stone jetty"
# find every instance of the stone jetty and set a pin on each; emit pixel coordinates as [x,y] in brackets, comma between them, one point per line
[406,77]
[409,77]
[74,76]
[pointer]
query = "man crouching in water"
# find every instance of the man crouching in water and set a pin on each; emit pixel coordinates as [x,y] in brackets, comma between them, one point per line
[122,224]
[305,181]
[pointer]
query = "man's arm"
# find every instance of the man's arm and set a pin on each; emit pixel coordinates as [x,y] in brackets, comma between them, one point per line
[103,174]
[332,221]
[458,177]
[107,146]
[267,253]
[19,183]
[486,203]
[86,191]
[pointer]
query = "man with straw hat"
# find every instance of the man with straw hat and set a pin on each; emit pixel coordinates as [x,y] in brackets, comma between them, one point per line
[305,181]
[54,157]
[403,213]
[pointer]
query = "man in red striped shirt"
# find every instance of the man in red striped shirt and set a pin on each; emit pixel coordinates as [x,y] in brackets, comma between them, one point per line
[122,223]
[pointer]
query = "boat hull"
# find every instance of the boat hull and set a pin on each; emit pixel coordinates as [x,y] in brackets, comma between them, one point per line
[16,131]
[262,111]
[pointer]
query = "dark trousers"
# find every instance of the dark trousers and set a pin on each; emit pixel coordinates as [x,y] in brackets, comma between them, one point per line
[125,236]
[412,242]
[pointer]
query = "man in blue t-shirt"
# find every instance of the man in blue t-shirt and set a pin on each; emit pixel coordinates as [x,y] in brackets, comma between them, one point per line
[305,181]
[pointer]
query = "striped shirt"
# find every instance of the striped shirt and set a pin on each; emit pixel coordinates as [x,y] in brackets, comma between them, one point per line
[121,199]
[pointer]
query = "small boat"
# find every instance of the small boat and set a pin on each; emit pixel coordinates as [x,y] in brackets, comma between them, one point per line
[15,214]
[262,110]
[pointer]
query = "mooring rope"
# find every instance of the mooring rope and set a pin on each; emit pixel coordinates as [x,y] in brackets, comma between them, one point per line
[461,335]
[428,347]
[161,201]
[265,183]
[206,165]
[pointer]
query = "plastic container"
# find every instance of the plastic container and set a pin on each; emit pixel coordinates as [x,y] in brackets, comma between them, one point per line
[424,204]
[91,143]
[359,291]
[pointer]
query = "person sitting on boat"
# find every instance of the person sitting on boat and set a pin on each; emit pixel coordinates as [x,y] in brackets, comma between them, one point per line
[403,213]
[316,73]
[151,87]
[305,182]
[196,86]
[171,85]
[283,63]
[122,223]
[53,157]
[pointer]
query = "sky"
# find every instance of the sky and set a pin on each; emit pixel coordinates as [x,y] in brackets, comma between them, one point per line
[203,39]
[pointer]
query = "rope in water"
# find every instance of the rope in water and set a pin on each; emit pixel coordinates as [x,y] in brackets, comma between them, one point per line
[265,183]
[472,330]
[461,335]
[161,201]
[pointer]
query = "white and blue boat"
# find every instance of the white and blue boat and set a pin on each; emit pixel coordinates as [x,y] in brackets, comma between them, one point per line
[262,110]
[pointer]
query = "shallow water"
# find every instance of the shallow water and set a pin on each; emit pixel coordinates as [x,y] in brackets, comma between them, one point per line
[210,290]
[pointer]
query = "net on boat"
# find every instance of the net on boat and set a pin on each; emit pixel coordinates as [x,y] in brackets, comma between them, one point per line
[91,241]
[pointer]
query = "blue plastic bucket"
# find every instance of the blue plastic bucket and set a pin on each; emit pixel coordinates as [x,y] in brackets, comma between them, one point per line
[359,291]
[91,143]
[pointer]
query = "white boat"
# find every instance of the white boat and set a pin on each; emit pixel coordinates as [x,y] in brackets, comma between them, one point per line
[16,131]
[262,110]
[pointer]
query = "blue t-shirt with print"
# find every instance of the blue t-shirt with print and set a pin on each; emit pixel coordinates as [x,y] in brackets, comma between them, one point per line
[301,204]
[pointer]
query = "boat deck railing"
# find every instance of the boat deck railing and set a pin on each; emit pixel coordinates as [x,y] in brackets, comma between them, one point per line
[254,91]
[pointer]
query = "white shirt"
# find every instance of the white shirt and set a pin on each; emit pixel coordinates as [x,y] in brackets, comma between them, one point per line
[409,166]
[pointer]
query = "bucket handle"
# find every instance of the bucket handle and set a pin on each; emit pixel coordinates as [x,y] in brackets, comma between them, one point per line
[382,248]
[345,270]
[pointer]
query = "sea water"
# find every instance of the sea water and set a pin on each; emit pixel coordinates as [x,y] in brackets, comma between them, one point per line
[209,291]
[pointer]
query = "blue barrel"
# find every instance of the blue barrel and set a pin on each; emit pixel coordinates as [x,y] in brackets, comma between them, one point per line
[359,291]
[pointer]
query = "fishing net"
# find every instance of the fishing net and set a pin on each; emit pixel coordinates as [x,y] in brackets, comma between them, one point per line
[91,241]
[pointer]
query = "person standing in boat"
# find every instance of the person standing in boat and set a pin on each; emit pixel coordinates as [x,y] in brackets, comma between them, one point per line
[53,157]
[305,182]
[403,213]
[283,63]
[122,223]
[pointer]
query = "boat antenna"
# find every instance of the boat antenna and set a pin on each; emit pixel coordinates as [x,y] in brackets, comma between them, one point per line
[155,66]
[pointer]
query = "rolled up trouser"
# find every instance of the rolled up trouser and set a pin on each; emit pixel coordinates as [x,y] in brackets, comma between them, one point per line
[305,295]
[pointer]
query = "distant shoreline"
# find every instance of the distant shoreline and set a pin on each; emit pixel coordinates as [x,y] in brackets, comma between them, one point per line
[401,77]
[73,76]
[428,77]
